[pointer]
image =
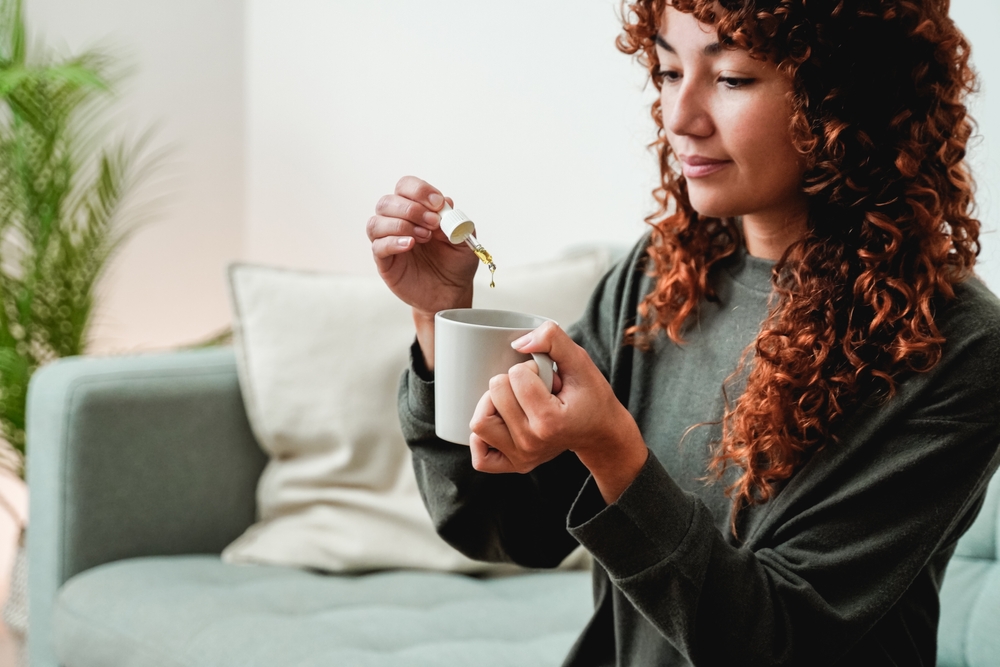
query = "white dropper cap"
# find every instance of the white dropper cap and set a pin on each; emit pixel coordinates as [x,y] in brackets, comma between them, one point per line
[456,225]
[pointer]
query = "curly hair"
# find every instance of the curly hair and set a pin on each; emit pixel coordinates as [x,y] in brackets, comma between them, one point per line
[878,116]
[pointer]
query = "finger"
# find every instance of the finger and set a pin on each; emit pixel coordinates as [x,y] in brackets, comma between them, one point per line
[489,425]
[420,191]
[505,402]
[379,226]
[396,206]
[531,394]
[384,249]
[488,459]
[557,382]
[550,339]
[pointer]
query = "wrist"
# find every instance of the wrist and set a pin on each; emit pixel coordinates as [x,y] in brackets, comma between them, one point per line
[423,320]
[424,323]
[616,461]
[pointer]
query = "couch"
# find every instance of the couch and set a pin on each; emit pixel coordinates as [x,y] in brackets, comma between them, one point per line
[142,469]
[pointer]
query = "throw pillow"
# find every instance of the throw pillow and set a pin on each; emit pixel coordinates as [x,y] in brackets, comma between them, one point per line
[319,358]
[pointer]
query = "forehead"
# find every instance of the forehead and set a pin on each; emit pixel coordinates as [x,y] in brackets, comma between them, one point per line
[682,29]
[685,36]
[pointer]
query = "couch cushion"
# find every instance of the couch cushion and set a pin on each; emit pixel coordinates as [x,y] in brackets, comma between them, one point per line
[195,610]
[970,594]
[962,598]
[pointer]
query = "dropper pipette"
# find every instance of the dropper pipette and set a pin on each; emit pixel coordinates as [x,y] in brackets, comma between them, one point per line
[482,254]
[458,227]
[480,251]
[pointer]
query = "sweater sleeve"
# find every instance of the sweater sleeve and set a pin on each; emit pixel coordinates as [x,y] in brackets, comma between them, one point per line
[510,517]
[507,518]
[839,546]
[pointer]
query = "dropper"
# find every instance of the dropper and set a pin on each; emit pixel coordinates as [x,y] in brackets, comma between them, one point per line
[482,254]
[459,227]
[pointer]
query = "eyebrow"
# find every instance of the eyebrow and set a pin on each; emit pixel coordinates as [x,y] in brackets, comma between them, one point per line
[713,49]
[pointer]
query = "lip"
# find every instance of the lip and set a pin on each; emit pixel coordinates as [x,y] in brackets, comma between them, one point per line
[699,166]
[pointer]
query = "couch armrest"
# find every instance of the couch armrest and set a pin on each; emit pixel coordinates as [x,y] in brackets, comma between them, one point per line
[133,456]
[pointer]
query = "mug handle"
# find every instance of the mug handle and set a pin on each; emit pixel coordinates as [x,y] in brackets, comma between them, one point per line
[545,367]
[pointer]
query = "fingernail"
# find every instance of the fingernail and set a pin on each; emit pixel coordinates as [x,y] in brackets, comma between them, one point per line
[402,242]
[435,200]
[422,232]
[523,341]
[432,218]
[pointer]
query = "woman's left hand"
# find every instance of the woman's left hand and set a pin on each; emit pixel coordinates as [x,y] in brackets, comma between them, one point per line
[518,424]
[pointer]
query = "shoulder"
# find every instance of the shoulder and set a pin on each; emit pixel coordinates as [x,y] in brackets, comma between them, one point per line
[624,283]
[612,306]
[965,383]
[974,308]
[970,324]
[632,264]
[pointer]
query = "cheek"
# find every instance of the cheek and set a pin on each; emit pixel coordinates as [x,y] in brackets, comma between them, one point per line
[761,142]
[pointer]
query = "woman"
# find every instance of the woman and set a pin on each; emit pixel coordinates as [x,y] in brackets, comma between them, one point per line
[777,416]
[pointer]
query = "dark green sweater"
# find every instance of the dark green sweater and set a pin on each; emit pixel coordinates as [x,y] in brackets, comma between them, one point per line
[842,567]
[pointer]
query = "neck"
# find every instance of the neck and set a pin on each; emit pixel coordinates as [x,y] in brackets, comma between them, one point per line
[768,235]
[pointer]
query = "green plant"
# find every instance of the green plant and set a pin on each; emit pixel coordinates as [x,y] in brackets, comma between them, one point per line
[62,191]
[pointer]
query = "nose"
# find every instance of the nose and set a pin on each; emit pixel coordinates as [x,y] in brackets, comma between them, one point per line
[686,111]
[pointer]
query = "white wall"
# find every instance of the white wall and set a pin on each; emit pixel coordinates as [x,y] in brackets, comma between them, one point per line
[523,111]
[977,20]
[167,287]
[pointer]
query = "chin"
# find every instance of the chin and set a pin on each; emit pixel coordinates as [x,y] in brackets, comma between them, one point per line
[713,206]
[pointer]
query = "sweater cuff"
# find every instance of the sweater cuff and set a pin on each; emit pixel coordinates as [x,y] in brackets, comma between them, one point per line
[642,528]
[419,386]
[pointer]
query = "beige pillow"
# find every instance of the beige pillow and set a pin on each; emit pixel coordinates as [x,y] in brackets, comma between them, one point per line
[319,358]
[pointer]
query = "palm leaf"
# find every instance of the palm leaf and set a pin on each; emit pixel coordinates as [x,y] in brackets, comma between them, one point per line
[12,38]
[15,371]
[64,204]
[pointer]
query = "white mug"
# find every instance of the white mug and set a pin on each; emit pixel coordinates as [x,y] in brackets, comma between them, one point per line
[472,345]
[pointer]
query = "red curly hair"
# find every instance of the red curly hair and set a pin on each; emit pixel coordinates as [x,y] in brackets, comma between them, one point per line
[878,115]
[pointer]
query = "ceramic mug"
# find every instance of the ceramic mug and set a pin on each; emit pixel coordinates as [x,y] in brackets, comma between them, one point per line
[471,345]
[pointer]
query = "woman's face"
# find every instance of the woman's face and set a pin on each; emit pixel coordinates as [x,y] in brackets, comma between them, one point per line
[726,117]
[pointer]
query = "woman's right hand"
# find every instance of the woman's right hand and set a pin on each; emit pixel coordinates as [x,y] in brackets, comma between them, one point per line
[415,258]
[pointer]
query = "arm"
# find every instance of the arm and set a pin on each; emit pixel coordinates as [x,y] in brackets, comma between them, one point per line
[503,517]
[500,518]
[859,534]
[519,425]
[519,520]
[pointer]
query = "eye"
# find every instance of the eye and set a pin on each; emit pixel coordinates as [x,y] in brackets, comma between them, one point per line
[668,75]
[733,82]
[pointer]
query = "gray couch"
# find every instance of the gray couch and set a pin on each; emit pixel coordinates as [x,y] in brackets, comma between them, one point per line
[141,469]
